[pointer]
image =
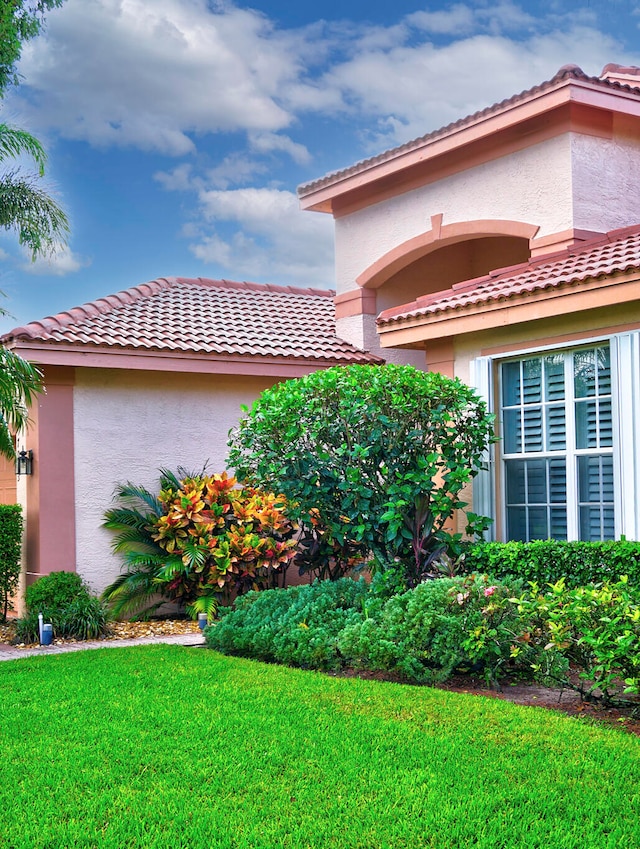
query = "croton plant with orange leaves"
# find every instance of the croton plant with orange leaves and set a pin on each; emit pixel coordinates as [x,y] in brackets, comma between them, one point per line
[226,537]
[206,539]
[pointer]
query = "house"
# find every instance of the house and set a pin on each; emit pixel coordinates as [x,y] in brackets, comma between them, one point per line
[152,377]
[505,249]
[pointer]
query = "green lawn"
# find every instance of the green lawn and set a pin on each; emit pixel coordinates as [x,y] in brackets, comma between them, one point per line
[170,747]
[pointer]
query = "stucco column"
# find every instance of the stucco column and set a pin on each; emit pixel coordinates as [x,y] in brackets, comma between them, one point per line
[49,493]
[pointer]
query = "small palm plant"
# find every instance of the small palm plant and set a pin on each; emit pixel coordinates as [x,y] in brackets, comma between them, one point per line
[134,522]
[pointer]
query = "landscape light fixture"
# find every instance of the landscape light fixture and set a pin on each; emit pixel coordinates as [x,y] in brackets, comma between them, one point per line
[24,462]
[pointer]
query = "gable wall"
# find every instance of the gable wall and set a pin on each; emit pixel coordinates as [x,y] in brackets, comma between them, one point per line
[127,426]
[606,181]
[533,186]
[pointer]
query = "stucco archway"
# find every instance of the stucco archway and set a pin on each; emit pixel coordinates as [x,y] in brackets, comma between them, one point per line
[440,236]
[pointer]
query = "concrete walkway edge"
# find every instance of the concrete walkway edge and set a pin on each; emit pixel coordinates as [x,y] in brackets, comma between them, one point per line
[15,653]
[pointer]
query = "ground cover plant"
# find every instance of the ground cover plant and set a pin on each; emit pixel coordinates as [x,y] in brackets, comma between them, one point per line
[167,748]
[373,460]
[200,539]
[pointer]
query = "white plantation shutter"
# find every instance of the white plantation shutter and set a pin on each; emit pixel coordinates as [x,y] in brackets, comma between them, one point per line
[625,357]
[481,379]
[558,436]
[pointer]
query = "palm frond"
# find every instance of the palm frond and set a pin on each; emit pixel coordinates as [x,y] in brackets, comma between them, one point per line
[208,604]
[15,142]
[41,224]
[137,546]
[138,496]
[120,518]
[20,381]
[130,593]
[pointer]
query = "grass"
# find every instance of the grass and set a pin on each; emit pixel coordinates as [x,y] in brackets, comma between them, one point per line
[164,746]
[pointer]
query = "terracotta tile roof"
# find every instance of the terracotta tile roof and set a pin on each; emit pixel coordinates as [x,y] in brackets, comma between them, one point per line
[612,253]
[566,73]
[201,316]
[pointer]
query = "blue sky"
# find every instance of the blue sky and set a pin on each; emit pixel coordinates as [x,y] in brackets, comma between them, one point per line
[178,130]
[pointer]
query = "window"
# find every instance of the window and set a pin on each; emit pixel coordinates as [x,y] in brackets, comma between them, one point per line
[557,447]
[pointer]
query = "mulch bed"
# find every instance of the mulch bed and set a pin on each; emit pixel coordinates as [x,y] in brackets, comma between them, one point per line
[121,630]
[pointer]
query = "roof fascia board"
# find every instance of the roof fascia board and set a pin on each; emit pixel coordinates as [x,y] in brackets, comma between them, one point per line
[64,355]
[566,92]
[548,303]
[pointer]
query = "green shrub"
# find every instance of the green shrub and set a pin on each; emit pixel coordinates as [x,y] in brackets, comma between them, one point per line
[428,632]
[67,603]
[373,459]
[10,542]
[425,634]
[547,561]
[421,635]
[27,628]
[298,626]
[596,629]
[50,594]
[85,618]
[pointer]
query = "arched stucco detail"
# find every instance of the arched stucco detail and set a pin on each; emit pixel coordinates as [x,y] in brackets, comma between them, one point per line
[438,237]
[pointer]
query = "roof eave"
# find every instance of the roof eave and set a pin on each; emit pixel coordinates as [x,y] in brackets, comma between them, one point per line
[549,302]
[321,195]
[93,356]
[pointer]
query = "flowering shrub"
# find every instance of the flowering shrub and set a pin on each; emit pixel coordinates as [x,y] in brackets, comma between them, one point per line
[428,632]
[202,537]
[596,629]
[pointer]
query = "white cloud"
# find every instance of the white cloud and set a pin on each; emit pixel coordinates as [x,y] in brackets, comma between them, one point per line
[413,88]
[270,239]
[130,72]
[269,142]
[179,179]
[161,75]
[60,264]
[455,20]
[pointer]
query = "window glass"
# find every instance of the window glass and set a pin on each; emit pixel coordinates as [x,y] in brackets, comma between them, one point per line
[557,426]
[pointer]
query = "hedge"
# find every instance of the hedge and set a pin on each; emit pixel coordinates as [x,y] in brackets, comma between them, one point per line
[10,542]
[546,561]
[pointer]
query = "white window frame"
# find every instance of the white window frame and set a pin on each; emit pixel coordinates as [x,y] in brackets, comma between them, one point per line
[625,391]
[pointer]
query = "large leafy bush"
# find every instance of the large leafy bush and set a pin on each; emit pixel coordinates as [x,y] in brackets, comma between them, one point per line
[201,537]
[373,459]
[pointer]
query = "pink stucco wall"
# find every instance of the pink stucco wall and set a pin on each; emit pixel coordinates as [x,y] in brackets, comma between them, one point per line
[533,186]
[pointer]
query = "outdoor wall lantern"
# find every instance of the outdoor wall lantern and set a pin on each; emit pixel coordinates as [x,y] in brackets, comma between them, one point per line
[24,462]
